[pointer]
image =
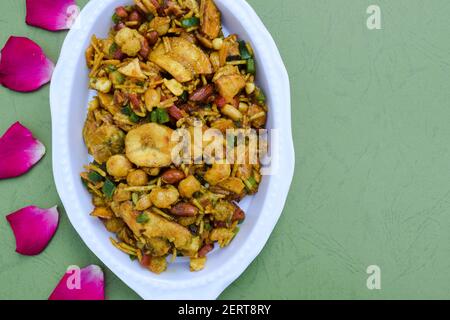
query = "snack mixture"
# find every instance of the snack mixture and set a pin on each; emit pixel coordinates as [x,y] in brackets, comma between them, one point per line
[166,65]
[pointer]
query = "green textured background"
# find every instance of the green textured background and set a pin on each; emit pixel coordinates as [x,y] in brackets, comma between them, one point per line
[372,184]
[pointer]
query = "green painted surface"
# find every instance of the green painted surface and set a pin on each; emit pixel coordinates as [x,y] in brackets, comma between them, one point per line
[372,183]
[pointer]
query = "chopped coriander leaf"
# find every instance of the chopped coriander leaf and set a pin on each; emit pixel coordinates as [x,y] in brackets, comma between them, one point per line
[113,48]
[134,118]
[162,115]
[115,18]
[126,110]
[185,96]
[111,68]
[207,226]
[150,17]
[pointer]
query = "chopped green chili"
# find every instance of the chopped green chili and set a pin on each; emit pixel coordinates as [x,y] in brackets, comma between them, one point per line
[250,183]
[135,197]
[85,182]
[142,218]
[131,114]
[245,53]
[126,110]
[260,96]
[108,188]
[190,22]
[94,177]
[251,68]
[154,116]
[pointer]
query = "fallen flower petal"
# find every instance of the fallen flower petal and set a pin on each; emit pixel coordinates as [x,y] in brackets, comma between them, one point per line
[85,284]
[33,228]
[24,66]
[19,151]
[52,15]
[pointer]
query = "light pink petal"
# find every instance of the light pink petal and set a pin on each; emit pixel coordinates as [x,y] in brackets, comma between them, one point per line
[85,284]
[53,15]
[24,66]
[33,228]
[19,151]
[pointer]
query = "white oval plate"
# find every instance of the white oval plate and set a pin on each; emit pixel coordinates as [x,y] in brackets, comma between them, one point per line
[69,96]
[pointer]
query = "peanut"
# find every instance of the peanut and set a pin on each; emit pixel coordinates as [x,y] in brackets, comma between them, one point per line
[121,12]
[207,248]
[152,37]
[202,94]
[238,214]
[184,210]
[172,176]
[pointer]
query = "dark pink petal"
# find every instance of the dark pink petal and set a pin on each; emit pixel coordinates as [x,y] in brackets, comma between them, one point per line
[85,284]
[24,66]
[33,228]
[19,151]
[51,15]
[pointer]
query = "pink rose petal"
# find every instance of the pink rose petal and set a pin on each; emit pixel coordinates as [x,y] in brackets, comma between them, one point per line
[53,15]
[24,66]
[85,284]
[19,151]
[33,228]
